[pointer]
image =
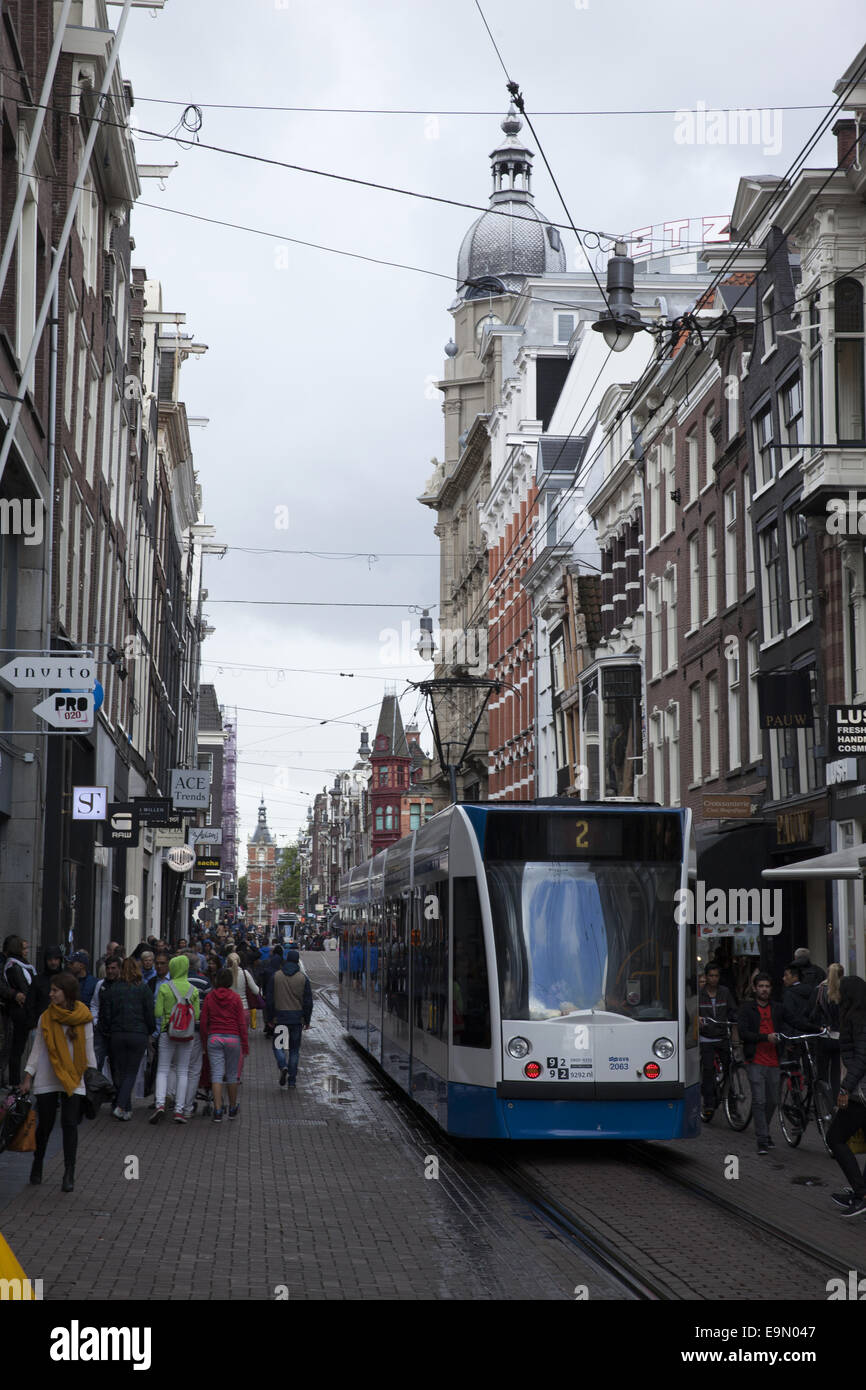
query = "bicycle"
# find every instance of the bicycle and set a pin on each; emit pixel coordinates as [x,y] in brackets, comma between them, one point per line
[801,1092]
[730,1083]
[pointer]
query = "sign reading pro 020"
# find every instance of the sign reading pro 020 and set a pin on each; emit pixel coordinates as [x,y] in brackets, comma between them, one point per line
[190,787]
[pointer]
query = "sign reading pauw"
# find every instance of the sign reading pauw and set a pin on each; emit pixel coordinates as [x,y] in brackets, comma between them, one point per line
[190,787]
[785,700]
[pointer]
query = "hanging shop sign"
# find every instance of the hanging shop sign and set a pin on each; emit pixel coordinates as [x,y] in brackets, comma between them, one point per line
[181,858]
[785,700]
[793,827]
[190,787]
[121,825]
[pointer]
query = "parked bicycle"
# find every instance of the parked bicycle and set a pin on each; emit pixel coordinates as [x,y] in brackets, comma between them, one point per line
[802,1092]
[730,1082]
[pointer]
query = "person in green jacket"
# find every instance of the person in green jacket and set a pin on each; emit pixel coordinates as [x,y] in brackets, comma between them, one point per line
[173,1050]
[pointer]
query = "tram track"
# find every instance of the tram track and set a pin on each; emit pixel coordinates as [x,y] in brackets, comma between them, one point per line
[639,1278]
[667,1167]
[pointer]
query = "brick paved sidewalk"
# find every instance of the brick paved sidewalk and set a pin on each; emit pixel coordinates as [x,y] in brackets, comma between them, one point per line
[315,1190]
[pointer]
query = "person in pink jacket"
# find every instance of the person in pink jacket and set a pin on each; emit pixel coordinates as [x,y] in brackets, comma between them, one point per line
[223,1031]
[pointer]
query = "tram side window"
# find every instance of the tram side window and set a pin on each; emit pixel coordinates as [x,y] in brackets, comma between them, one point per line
[396,959]
[471,1006]
[430,978]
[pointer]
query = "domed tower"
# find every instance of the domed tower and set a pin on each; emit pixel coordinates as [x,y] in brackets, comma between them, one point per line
[261,872]
[512,239]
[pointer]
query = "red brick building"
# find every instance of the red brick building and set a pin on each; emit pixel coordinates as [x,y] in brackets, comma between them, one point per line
[261,873]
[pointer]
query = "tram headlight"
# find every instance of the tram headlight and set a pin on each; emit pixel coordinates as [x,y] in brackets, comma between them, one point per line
[663,1047]
[517,1047]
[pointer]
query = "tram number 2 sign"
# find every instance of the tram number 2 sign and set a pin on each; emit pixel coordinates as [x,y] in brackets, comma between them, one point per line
[565,1069]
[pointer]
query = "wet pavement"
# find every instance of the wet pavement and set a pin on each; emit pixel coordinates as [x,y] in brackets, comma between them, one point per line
[315,1193]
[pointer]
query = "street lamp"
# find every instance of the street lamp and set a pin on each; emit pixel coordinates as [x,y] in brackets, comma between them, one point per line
[621,320]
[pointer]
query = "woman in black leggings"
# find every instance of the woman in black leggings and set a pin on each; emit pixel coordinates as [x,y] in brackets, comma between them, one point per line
[851,1113]
[62,1050]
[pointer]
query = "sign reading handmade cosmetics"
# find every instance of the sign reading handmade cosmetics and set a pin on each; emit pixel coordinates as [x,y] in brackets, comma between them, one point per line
[846,731]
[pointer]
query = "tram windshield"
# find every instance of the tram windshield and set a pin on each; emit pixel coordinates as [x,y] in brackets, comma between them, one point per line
[585,937]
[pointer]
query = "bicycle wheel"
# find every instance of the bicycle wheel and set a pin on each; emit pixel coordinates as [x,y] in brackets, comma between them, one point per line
[824,1108]
[791,1117]
[738,1100]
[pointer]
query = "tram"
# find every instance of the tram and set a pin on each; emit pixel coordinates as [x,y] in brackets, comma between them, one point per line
[520,970]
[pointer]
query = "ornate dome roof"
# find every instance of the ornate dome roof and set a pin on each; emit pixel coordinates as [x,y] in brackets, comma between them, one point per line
[512,239]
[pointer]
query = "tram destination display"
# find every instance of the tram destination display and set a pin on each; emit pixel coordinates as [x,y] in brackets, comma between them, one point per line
[592,835]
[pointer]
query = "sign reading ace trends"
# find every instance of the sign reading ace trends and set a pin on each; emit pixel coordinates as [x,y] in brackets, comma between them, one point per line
[190,787]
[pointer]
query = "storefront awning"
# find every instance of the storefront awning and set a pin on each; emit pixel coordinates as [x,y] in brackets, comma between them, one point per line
[844,863]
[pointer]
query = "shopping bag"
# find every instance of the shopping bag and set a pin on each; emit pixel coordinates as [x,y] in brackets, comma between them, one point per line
[25,1140]
[857,1143]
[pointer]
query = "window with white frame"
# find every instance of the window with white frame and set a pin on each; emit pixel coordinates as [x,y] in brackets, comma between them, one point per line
[670,598]
[850,380]
[666,467]
[69,369]
[710,446]
[712,568]
[732,665]
[87,226]
[63,547]
[653,479]
[763,437]
[27,273]
[693,463]
[694,582]
[654,633]
[801,598]
[92,409]
[75,586]
[791,417]
[657,758]
[754,723]
[816,372]
[565,324]
[748,536]
[695,693]
[557,659]
[80,401]
[771,582]
[713,722]
[768,321]
[672,724]
[731,546]
[732,396]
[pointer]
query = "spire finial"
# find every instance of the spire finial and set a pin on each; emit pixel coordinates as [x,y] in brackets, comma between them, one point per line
[512,124]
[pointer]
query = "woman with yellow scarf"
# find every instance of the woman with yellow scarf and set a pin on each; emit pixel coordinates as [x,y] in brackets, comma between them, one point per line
[62,1051]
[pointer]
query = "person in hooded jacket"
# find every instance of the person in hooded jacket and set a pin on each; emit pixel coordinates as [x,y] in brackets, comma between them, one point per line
[37,995]
[177,1050]
[290,1004]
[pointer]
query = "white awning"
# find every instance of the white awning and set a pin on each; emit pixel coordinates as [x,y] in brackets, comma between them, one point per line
[844,863]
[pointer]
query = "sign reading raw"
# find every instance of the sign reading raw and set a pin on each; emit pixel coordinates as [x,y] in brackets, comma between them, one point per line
[846,730]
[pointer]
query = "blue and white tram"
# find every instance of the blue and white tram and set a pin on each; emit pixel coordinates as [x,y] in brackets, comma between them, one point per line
[520,970]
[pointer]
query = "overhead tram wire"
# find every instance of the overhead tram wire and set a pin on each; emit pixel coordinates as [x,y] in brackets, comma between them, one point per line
[185,103]
[714,284]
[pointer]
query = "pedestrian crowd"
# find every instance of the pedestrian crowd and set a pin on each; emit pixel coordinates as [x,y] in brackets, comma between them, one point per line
[772,1034]
[172,1022]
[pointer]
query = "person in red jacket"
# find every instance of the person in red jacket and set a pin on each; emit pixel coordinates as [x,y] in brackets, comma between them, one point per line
[223,1031]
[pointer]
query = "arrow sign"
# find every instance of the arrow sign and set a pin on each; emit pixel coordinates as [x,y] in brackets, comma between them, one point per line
[67,711]
[29,673]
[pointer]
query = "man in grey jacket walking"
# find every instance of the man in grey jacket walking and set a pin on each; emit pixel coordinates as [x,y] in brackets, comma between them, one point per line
[290,1006]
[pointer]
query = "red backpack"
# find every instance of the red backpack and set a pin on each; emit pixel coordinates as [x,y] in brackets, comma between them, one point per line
[181,1024]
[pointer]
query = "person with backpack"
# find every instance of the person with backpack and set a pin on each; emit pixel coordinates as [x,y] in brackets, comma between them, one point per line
[224,1034]
[127,1021]
[290,1002]
[177,1009]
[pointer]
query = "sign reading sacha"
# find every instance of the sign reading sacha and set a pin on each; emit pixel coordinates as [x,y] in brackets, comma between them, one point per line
[785,700]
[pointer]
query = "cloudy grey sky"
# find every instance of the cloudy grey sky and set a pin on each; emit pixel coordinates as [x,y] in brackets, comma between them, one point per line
[317,379]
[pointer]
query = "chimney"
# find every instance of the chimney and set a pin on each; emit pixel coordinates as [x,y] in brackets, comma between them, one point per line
[846,142]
